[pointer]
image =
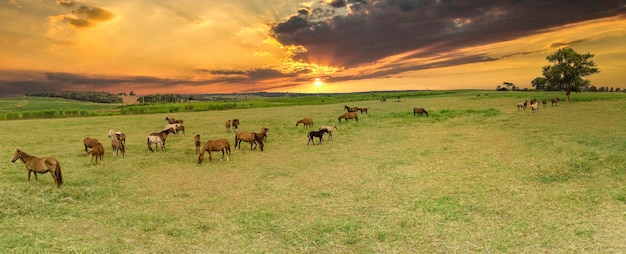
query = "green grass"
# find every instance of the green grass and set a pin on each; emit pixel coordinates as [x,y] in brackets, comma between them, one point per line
[475,176]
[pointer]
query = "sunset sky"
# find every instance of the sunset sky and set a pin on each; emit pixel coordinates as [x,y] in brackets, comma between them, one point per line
[207,46]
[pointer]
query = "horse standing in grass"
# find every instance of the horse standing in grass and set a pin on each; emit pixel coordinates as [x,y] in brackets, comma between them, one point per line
[420,111]
[163,135]
[555,101]
[36,165]
[97,152]
[251,137]
[306,122]
[117,146]
[198,142]
[228,126]
[118,135]
[90,142]
[534,107]
[329,129]
[349,115]
[361,110]
[313,134]
[522,106]
[173,120]
[235,124]
[156,140]
[350,109]
[215,145]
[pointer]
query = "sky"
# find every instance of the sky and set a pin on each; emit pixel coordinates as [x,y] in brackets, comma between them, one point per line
[319,46]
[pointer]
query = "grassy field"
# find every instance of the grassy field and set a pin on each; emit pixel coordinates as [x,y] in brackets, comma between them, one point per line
[475,176]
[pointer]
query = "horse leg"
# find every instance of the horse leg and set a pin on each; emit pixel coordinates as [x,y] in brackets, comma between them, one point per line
[210,158]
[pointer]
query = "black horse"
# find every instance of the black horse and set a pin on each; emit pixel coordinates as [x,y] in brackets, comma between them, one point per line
[318,134]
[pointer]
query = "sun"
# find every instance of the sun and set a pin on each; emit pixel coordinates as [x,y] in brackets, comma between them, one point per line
[318,82]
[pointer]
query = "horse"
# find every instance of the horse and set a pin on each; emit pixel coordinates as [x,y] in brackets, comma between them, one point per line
[306,122]
[117,147]
[266,132]
[97,152]
[155,139]
[544,102]
[350,109]
[361,110]
[534,107]
[329,129]
[420,111]
[118,135]
[180,128]
[198,142]
[235,124]
[215,145]
[349,115]
[228,126]
[555,101]
[173,127]
[36,165]
[382,99]
[90,142]
[173,120]
[251,137]
[313,134]
[522,106]
[163,135]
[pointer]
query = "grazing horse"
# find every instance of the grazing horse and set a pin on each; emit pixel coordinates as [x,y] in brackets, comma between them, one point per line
[544,102]
[117,146]
[36,165]
[382,99]
[90,142]
[350,109]
[329,129]
[555,101]
[228,126]
[215,145]
[198,142]
[97,152]
[420,111]
[534,107]
[180,128]
[522,106]
[306,122]
[118,135]
[235,124]
[313,134]
[163,135]
[250,137]
[361,110]
[157,141]
[173,120]
[349,115]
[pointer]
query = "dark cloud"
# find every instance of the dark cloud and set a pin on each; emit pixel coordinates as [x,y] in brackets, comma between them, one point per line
[67,3]
[368,31]
[86,17]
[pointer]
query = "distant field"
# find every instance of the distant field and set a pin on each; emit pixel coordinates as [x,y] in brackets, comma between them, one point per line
[475,176]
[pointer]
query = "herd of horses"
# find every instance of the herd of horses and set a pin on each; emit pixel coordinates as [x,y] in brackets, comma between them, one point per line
[95,150]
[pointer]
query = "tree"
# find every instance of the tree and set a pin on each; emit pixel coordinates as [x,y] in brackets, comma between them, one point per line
[568,70]
[509,85]
[132,93]
[539,83]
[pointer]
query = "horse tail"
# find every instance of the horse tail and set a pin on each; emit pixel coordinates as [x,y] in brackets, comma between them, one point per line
[59,175]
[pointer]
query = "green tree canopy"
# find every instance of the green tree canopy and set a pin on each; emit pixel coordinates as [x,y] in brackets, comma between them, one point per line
[567,71]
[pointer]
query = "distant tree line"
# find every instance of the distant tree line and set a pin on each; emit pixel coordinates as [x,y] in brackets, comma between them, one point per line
[164,98]
[92,96]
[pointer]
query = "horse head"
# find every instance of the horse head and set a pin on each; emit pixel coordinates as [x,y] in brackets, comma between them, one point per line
[17,155]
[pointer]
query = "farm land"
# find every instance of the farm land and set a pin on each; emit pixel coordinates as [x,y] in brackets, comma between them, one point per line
[474,176]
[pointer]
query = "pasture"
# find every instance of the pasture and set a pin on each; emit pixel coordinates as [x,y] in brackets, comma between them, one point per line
[474,176]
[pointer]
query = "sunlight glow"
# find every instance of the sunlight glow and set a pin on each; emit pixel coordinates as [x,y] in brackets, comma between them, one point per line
[318,82]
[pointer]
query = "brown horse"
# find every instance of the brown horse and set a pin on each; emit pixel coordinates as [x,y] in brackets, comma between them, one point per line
[228,126]
[349,115]
[544,102]
[173,120]
[419,111]
[235,124]
[251,137]
[361,110]
[118,135]
[350,109]
[555,101]
[156,140]
[90,142]
[215,145]
[198,142]
[117,147]
[97,152]
[163,135]
[307,122]
[40,165]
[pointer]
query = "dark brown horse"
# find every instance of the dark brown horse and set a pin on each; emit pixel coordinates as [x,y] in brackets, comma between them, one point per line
[251,137]
[555,101]
[419,111]
[235,124]
[544,102]
[350,109]
[173,120]
[307,122]
[198,142]
[97,152]
[163,135]
[349,115]
[313,134]
[36,165]
[117,147]
[361,110]
[215,145]
[90,142]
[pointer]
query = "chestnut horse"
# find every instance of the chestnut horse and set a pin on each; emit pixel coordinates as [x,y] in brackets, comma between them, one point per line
[36,165]
[350,109]
[307,122]
[173,120]
[251,137]
[97,152]
[361,110]
[235,124]
[90,142]
[117,147]
[349,115]
[163,135]
[198,142]
[419,111]
[215,145]
[555,101]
